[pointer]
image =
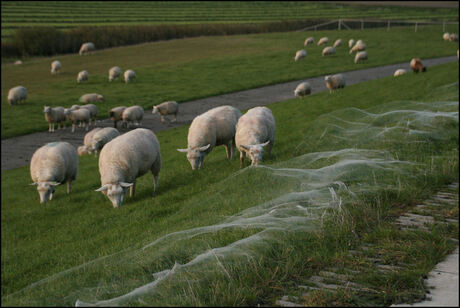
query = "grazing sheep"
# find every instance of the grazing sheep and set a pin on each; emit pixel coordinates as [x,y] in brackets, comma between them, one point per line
[360,56]
[78,115]
[302,89]
[18,62]
[87,141]
[337,43]
[359,46]
[453,37]
[55,67]
[91,98]
[323,41]
[328,51]
[132,114]
[102,137]
[54,115]
[126,158]
[16,95]
[351,42]
[255,130]
[82,76]
[446,36]
[309,40]
[114,73]
[93,112]
[399,72]
[166,108]
[417,66]
[115,114]
[208,130]
[334,82]
[86,48]
[53,164]
[129,75]
[300,54]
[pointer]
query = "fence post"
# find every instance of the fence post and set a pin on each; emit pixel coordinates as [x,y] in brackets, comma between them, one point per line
[388,27]
[362,24]
[416,26]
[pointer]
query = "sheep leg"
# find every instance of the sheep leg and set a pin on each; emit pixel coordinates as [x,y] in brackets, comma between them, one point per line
[201,165]
[73,127]
[162,118]
[49,127]
[228,150]
[242,156]
[115,124]
[269,147]
[175,118]
[69,186]
[52,127]
[87,125]
[155,186]
[132,189]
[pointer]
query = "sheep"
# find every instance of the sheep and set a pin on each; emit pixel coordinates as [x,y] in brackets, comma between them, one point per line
[360,56]
[87,141]
[446,36]
[102,137]
[114,73]
[132,114]
[55,67]
[417,66]
[359,46]
[457,54]
[453,37]
[91,98]
[255,130]
[215,127]
[337,43]
[166,108]
[17,94]
[86,48]
[351,42]
[53,164]
[54,115]
[78,115]
[93,112]
[328,51]
[334,82]
[309,40]
[300,54]
[82,76]
[302,89]
[124,159]
[399,72]
[115,114]
[129,75]
[323,41]
[18,62]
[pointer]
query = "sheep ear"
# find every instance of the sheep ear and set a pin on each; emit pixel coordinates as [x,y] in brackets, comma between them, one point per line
[264,144]
[183,150]
[34,183]
[246,147]
[123,184]
[103,188]
[204,148]
[54,183]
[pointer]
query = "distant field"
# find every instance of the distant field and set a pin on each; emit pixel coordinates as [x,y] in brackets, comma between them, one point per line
[68,14]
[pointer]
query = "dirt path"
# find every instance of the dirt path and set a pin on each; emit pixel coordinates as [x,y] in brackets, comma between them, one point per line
[18,151]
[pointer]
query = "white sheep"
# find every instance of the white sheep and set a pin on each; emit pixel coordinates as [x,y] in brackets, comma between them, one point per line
[337,43]
[124,159]
[361,56]
[308,41]
[53,164]
[78,115]
[82,76]
[18,62]
[300,54]
[453,37]
[54,115]
[351,42]
[166,108]
[55,67]
[399,72]
[359,46]
[87,142]
[115,114]
[86,48]
[333,82]
[446,36]
[91,98]
[255,130]
[323,41]
[302,89]
[93,112]
[129,75]
[328,51]
[17,94]
[114,73]
[132,114]
[208,130]
[101,138]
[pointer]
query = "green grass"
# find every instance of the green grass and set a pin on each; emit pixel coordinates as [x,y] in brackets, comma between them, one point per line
[193,68]
[41,240]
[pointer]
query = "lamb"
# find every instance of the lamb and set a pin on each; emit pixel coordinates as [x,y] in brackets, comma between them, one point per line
[78,115]
[166,108]
[53,164]
[399,72]
[91,98]
[446,36]
[115,114]
[300,54]
[87,141]
[359,46]
[114,73]
[334,82]
[55,67]
[215,127]
[132,114]
[86,48]
[328,51]
[361,56]
[417,66]
[17,94]
[82,76]
[54,115]
[453,37]
[309,40]
[101,138]
[351,42]
[302,89]
[255,130]
[129,75]
[18,62]
[337,43]
[323,41]
[124,159]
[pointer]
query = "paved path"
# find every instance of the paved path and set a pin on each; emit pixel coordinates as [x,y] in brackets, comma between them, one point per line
[17,151]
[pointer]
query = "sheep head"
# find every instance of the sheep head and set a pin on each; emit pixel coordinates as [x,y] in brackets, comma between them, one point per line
[255,152]
[46,190]
[115,192]
[196,156]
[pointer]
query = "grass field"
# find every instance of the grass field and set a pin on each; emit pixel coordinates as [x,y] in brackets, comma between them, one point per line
[64,15]
[193,68]
[225,236]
